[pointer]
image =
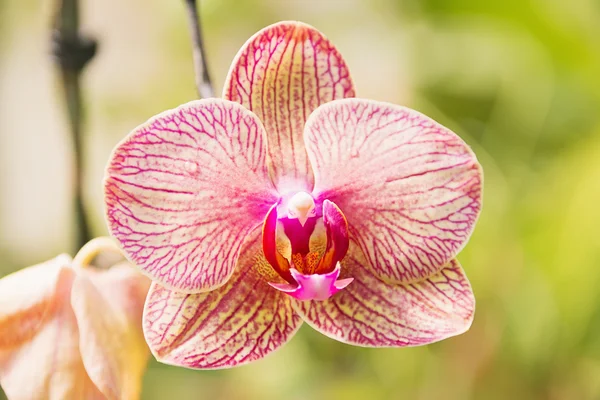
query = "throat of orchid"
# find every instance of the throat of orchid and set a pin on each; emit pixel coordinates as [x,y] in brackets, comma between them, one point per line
[304,244]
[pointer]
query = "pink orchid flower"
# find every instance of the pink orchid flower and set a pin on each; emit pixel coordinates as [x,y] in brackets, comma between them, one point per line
[69,331]
[291,201]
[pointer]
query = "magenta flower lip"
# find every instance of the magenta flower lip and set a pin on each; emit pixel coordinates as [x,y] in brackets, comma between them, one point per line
[290,200]
[314,286]
[332,231]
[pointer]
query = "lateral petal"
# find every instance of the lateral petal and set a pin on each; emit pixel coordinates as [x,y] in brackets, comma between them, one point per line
[184,189]
[282,74]
[240,322]
[410,188]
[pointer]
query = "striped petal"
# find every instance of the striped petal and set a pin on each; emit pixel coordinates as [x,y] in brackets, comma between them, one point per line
[184,189]
[240,322]
[42,359]
[409,187]
[282,74]
[108,307]
[371,313]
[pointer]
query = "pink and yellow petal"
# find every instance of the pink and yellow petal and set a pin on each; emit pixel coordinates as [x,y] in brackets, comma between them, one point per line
[108,306]
[48,365]
[410,188]
[240,322]
[184,189]
[282,74]
[371,313]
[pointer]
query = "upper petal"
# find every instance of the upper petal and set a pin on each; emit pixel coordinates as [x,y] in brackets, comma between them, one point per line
[410,188]
[242,321]
[282,74]
[108,307]
[184,189]
[46,362]
[371,313]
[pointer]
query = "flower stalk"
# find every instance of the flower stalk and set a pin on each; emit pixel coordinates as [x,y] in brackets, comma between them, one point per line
[72,52]
[203,81]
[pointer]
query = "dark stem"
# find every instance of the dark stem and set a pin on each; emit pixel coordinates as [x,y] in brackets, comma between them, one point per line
[72,52]
[203,82]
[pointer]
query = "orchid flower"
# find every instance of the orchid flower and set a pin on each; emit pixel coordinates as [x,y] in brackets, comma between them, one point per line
[70,331]
[288,201]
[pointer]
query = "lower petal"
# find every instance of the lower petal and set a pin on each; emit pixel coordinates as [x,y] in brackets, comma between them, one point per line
[371,313]
[240,322]
[108,306]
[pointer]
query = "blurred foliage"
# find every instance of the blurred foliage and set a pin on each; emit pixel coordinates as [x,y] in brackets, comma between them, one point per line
[518,80]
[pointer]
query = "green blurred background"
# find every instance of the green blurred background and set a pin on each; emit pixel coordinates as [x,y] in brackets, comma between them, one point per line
[518,80]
